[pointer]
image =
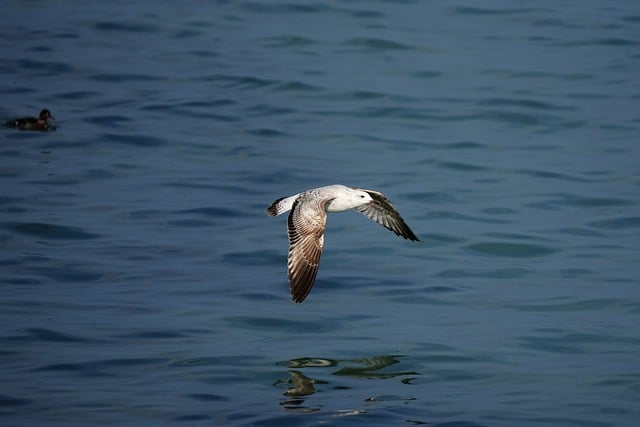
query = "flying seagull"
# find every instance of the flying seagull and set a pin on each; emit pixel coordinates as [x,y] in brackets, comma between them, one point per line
[307,222]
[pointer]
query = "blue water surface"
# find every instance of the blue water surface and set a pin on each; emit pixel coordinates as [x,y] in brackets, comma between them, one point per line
[143,285]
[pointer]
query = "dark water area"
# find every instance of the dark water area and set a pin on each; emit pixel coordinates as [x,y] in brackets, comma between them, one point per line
[143,284]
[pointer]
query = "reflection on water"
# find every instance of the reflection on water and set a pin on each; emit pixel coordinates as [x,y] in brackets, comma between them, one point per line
[309,362]
[300,386]
[375,363]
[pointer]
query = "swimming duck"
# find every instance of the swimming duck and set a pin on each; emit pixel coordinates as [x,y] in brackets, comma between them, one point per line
[42,123]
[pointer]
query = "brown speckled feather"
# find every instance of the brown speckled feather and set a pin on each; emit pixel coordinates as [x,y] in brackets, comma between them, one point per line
[306,226]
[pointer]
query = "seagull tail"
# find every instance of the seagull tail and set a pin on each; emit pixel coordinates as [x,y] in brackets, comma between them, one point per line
[281,205]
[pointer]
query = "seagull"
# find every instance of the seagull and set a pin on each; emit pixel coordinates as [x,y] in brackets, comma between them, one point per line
[307,222]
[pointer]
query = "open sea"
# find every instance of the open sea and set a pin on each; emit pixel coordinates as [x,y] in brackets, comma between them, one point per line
[142,283]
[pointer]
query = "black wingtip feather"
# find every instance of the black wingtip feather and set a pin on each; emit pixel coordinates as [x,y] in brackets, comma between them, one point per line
[272,210]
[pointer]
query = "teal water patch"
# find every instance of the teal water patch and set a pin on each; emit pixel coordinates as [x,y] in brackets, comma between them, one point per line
[376,44]
[281,324]
[124,77]
[519,102]
[557,341]
[207,397]
[563,305]
[130,27]
[506,273]
[465,218]
[68,273]
[463,167]
[591,202]
[621,223]
[44,68]
[288,41]
[7,401]
[137,140]
[537,173]
[48,335]
[469,10]
[51,231]
[109,121]
[215,212]
[516,250]
[254,258]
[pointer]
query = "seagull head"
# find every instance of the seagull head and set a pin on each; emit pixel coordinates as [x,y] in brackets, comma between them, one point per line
[360,197]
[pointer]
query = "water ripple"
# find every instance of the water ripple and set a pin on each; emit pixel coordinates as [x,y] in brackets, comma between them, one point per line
[564,305]
[67,273]
[253,258]
[517,102]
[124,77]
[46,68]
[216,212]
[153,335]
[137,140]
[48,335]
[282,325]
[110,26]
[241,82]
[586,202]
[376,44]
[101,368]
[219,361]
[621,223]
[468,10]
[461,217]
[507,273]
[50,231]
[289,41]
[464,167]
[285,8]
[109,121]
[7,401]
[609,41]
[517,250]
[538,173]
[574,342]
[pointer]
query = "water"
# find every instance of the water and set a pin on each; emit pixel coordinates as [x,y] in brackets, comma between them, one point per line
[143,285]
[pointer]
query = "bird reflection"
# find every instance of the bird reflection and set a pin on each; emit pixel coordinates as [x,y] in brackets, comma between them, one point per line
[372,364]
[300,386]
[311,362]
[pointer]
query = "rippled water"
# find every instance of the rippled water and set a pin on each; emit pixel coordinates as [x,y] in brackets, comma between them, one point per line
[143,285]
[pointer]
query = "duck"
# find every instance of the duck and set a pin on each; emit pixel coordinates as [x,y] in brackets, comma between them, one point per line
[41,124]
